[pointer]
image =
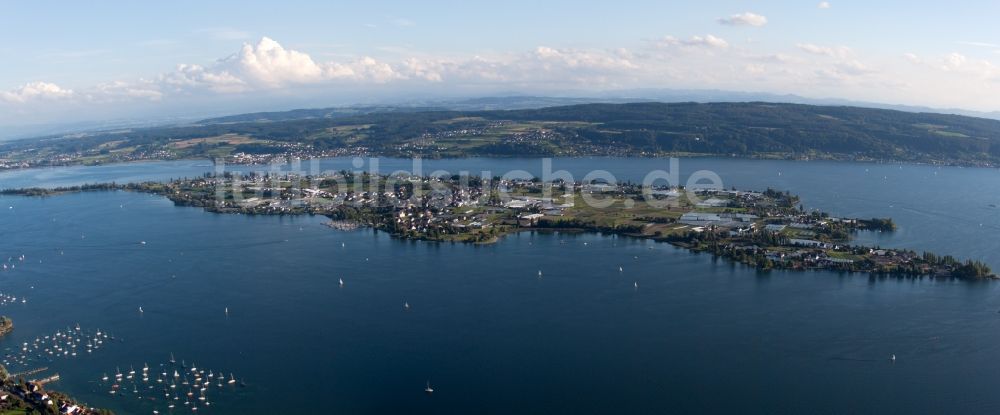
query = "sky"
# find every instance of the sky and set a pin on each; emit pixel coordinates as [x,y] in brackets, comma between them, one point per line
[67,62]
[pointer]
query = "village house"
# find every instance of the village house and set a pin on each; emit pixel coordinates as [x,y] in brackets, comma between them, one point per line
[529,219]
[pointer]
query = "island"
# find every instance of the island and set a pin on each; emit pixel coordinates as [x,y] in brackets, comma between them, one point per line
[766,229]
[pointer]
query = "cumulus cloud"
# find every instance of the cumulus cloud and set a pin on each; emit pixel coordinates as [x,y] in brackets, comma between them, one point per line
[186,77]
[823,5]
[268,65]
[744,19]
[33,91]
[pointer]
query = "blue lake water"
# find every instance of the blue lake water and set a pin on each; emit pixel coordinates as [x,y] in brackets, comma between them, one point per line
[698,335]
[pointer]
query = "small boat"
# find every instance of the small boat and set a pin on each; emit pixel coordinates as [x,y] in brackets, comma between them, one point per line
[892,358]
[232,379]
[429,390]
[620,269]
[406,306]
[140,309]
[636,284]
[341,282]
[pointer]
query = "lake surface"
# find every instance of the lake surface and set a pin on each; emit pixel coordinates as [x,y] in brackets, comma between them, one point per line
[698,335]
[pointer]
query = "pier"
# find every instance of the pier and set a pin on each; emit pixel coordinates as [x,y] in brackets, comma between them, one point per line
[28,372]
[47,380]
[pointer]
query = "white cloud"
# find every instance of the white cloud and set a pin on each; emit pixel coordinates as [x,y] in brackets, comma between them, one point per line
[187,77]
[121,90]
[744,19]
[364,69]
[580,59]
[954,61]
[271,64]
[36,91]
[823,5]
[707,41]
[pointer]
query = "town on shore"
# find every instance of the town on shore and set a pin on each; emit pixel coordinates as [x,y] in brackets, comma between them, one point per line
[767,229]
[21,396]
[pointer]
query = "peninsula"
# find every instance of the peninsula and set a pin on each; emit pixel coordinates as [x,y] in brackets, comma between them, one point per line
[766,229]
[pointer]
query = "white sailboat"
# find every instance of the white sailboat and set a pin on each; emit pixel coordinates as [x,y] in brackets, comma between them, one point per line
[429,390]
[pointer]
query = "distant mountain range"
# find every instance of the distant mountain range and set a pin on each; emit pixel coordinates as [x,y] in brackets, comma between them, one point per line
[513,102]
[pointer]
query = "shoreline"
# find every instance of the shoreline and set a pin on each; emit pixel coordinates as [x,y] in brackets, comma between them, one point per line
[30,396]
[785,238]
[790,158]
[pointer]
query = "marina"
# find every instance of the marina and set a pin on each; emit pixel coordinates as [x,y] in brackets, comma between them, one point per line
[68,343]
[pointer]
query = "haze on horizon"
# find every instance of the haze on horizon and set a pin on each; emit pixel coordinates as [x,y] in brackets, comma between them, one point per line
[71,62]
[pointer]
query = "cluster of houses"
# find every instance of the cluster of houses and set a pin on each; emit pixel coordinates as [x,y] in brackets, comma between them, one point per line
[719,220]
[41,401]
